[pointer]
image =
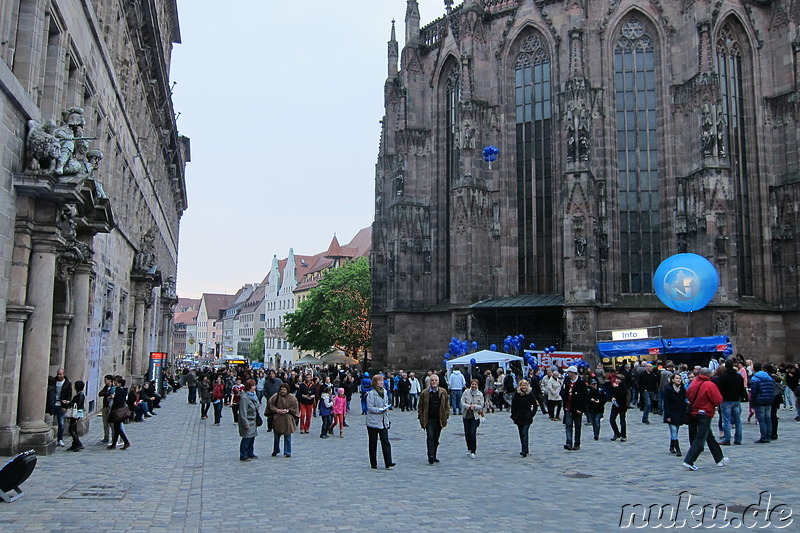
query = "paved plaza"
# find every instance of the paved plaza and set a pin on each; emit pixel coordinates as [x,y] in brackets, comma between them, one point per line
[184,474]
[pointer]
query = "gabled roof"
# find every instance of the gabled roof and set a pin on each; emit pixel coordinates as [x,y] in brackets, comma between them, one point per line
[185,304]
[186,317]
[215,302]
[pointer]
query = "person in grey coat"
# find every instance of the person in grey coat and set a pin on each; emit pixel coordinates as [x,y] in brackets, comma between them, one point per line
[378,423]
[248,414]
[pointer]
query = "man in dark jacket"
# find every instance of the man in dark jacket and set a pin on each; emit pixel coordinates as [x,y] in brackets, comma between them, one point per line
[762,393]
[433,412]
[648,388]
[574,396]
[403,388]
[63,397]
[731,385]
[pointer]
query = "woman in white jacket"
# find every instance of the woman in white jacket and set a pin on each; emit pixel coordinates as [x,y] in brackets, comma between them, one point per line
[472,402]
[378,423]
[552,387]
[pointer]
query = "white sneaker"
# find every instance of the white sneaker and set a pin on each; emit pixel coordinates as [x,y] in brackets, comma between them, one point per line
[724,461]
[472,455]
[690,467]
[61,443]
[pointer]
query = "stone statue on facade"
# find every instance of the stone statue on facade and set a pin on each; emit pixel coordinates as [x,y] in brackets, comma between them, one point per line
[583,135]
[168,289]
[62,151]
[43,149]
[707,133]
[580,246]
[145,260]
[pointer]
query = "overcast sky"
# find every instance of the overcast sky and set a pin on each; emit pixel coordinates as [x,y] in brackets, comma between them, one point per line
[281,101]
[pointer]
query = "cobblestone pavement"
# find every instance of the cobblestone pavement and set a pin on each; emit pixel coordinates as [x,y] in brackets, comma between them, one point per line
[184,474]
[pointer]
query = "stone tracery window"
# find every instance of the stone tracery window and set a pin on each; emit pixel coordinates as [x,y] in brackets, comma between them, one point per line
[637,156]
[534,167]
[730,65]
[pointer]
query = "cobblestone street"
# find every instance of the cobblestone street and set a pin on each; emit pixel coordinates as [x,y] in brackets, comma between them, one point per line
[184,474]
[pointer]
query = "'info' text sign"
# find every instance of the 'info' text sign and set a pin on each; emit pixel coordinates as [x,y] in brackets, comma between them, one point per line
[629,335]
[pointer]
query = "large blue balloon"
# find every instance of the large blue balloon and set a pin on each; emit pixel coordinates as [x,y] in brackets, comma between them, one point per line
[686,282]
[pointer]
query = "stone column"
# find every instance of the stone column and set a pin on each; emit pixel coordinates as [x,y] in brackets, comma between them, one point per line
[138,339]
[34,432]
[16,316]
[147,338]
[77,331]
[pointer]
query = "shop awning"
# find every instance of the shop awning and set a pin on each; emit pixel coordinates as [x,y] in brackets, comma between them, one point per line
[717,343]
[650,347]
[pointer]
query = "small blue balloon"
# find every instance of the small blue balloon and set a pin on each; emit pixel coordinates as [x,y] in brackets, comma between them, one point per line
[446,356]
[473,361]
[552,349]
[533,346]
[474,345]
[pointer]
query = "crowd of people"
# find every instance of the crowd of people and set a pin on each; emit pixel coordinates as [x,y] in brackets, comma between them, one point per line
[576,397]
[680,396]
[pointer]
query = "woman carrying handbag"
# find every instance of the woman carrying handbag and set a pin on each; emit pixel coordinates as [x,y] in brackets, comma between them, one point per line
[75,413]
[119,413]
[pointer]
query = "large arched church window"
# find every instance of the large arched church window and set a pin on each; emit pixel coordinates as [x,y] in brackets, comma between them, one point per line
[637,156]
[731,76]
[534,167]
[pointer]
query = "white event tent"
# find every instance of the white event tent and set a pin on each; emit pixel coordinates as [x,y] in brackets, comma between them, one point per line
[483,356]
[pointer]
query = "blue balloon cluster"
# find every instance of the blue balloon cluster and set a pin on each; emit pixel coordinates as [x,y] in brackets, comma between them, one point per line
[457,348]
[490,153]
[513,344]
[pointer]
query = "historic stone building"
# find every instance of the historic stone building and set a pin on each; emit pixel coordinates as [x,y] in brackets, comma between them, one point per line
[628,131]
[91,195]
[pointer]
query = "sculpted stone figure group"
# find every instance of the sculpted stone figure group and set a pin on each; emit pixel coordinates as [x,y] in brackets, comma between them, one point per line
[62,150]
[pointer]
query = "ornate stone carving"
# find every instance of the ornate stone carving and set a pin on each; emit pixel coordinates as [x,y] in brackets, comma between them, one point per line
[723,323]
[581,104]
[75,252]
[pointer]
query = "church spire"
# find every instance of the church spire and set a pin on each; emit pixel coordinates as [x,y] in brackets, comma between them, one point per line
[393,53]
[412,22]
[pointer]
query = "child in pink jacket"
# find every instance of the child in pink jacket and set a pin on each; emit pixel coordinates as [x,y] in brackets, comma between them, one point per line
[339,409]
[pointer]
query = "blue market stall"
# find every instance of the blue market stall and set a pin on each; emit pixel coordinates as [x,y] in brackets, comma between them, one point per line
[690,351]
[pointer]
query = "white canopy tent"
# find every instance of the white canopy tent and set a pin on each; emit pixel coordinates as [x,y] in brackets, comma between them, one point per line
[483,356]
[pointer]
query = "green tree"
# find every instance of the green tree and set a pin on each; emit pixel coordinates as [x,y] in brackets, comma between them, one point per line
[257,347]
[336,313]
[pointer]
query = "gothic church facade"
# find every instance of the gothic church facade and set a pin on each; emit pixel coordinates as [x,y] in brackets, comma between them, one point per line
[628,132]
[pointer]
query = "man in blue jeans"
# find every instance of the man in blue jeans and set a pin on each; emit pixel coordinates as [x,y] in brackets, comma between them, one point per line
[731,386]
[762,393]
[456,384]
